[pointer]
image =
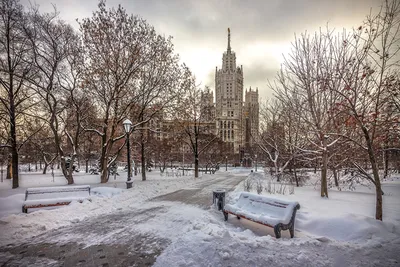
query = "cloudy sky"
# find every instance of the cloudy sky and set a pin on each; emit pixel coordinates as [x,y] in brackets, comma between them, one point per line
[261,30]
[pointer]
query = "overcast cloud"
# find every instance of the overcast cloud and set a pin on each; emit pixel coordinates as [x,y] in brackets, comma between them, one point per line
[261,30]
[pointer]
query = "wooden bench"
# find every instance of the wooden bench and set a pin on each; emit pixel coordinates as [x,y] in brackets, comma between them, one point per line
[54,196]
[268,211]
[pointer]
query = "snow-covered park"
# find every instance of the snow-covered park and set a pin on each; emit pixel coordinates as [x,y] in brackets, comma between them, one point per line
[339,231]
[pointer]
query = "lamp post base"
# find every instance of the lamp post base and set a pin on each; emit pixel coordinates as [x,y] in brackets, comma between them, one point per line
[129,184]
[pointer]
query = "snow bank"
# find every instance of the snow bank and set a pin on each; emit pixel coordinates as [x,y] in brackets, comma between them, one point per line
[350,228]
[106,191]
[11,204]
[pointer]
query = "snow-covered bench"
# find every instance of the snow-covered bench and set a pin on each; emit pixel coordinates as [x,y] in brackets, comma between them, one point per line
[268,211]
[54,196]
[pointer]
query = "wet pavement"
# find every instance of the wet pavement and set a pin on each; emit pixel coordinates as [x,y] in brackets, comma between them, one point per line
[201,194]
[104,240]
[99,241]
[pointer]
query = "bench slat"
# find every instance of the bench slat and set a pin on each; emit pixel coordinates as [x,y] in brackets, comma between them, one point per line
[39,190]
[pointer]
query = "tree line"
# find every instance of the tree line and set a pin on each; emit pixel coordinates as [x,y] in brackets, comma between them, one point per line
[64,92]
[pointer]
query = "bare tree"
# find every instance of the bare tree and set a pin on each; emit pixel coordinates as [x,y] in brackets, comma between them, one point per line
[304,82]
[366,64]
[15,69]
[57,58]
[271,139]
[129,69]
[191,120]
[158,87]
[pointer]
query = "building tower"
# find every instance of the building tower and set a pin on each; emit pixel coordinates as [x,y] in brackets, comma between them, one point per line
[229,99]
[251,117]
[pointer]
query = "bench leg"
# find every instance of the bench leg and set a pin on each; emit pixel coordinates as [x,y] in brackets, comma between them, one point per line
[24,210]
[226,216]
[277,230]
[291,230]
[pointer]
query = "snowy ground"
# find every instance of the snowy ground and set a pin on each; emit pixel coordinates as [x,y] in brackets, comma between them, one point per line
[339,231]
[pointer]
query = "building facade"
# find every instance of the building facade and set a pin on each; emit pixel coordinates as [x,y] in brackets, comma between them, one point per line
[236,120]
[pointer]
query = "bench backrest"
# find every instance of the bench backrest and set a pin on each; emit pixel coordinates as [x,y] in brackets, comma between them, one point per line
[57,192]
[266,205]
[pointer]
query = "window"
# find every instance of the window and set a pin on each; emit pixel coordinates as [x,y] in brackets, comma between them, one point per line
[232,135]
[229,124]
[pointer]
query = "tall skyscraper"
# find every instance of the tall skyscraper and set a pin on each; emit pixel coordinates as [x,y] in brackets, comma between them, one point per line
[230,110]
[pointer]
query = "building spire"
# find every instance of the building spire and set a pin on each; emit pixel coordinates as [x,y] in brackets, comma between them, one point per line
[229,40]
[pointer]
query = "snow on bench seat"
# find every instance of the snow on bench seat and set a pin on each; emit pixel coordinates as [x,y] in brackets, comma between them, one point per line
[278,214]
[54,196]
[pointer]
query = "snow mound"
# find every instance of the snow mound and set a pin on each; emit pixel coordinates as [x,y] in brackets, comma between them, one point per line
[351,228]
[11,204]
[106,191]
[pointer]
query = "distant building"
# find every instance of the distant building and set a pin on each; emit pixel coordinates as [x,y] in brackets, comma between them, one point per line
[234,120]
[237,121]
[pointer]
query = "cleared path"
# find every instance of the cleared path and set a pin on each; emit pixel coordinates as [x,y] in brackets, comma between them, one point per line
[201,194]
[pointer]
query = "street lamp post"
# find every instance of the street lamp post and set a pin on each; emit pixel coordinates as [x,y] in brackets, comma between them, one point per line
[226,163]
[256,161]
[127,126]
[183,160]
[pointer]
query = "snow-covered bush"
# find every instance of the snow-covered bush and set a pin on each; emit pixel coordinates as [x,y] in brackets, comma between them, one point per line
[281,190]
[291,190]
[248,184]
[268,188]
[259,186]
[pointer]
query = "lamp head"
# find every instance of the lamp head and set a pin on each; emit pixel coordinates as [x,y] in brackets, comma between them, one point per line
[127,125]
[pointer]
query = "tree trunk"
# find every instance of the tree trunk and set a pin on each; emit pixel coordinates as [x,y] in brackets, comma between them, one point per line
[70,178]
[375,171]
[295,172]
[9,174]
[70,170]
[45,167]
[162,166]
[87,165]
[143,161]
[14,165]
[324,169]
[67,174]
[196,166]
[104,171]
[276,171]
